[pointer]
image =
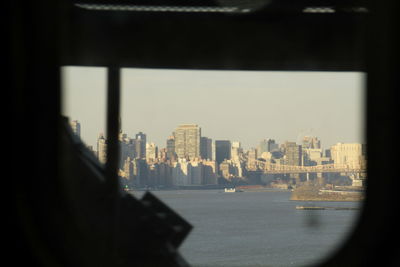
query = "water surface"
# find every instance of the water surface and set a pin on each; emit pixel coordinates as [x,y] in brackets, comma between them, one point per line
[257,228]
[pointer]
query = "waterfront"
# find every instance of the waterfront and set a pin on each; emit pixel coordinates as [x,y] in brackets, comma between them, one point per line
[257,228]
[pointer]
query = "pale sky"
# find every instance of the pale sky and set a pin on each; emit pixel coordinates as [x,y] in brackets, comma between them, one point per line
[245,106]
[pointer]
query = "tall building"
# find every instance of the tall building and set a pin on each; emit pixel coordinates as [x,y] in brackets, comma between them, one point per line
[171,148]
[236,151]
[311,142]
[312,156]
[76,128]
[151,152]
[272,145]
[181,173]
[140,145]
[187,141]
[252,159]
[293,153]
[206,148]
[125,148]
[102,149]
[222,150]
[262,147]
[210,170]
[350,155]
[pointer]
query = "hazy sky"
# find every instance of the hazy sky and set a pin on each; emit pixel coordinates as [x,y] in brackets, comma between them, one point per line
[245,106]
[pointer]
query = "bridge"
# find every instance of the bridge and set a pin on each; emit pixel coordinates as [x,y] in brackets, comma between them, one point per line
[272,168]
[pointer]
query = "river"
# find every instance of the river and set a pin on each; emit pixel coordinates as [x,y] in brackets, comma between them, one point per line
[257,228]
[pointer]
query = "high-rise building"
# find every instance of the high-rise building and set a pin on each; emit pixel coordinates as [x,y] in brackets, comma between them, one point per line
[236,151]
[181,173]
[171,148]
[206,148]
[210,170]
[252,159]
[76,128]
[262,147]
[293,153]
[151,152]
[222,150]
[311,142]
[102,149]
[312,156]
[349,155]
[272,145]
[187,141]
[140,145]
[125,148]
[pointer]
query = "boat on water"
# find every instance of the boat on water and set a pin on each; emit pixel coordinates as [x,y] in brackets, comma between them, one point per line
[232,190]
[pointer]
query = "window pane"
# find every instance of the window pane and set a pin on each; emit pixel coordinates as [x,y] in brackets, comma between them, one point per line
[84,103]
[268,166]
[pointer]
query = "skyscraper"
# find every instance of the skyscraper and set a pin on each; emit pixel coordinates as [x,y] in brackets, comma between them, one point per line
[272,145]
[262,147]
[236,151]
[206,148]
[187,141]
[140,145]
[311,142]
[76,128]
[350,155]
[171,148]
[102,149]
[222,150]
[293,154]
[151,152]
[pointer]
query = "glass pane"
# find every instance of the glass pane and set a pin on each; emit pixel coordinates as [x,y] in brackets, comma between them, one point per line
[84,104]
[269,167]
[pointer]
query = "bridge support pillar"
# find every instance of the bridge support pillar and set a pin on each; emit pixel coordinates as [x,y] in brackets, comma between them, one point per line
[320,178]
[295,177]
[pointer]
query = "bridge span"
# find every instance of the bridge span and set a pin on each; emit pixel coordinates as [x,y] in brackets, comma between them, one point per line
[271,168]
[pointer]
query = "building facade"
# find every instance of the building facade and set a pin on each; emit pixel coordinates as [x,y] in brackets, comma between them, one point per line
[222,150]
[102,149]
[140,145]
[76,128]
[187,141]
[293,154]
[206,148]
[349,155]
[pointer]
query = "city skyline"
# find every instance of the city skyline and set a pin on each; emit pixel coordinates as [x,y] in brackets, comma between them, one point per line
[245,106]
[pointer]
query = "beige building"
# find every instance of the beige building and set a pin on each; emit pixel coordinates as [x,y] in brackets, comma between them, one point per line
[102,149]
[311,156]
[187,141]
[349,155]
[236,151]
[194,172]
[151,152]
